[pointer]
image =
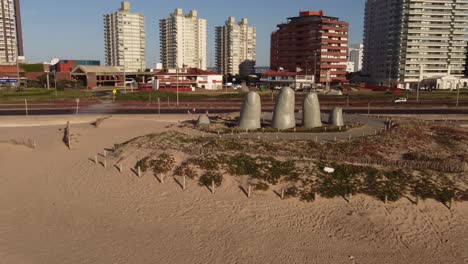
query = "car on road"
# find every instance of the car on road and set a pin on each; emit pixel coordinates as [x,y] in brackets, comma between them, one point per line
[400,100]
[130,82]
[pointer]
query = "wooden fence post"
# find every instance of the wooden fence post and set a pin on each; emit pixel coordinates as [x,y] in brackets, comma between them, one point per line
[68,135]
[139,172]
[183,183]
[249,191]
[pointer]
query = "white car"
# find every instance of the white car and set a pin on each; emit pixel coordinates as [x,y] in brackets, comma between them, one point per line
[237,87]
[400,100]
[130,82]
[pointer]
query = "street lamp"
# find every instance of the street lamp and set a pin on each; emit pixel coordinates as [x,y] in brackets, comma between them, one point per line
[458,93]
[177,85]
[419,82]
[315,66]
[55,79]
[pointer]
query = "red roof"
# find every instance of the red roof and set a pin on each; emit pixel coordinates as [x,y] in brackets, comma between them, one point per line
[311,13]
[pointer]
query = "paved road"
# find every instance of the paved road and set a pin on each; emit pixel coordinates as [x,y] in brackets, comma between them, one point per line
[165,110]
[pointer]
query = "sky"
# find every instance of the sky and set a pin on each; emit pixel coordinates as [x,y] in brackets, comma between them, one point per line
[70,29]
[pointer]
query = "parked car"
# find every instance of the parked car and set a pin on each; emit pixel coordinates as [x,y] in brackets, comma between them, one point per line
[130,82]
[400,100]
[237,87]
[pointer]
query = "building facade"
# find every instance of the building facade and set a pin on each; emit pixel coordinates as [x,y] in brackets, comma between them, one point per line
[312,42]
[183,40]
[406,41]
[11,39]
[125,39]
[188,79]
[278,79]
[235,48]
[355,56]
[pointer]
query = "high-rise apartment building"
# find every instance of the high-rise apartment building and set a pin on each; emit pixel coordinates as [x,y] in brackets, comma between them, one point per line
[11,35]
[125,40]
[406,41]
[183,40]
[355,56]
[312,42]
[235,48]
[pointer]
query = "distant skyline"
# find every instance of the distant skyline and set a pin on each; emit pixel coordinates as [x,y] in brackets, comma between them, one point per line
[74,29]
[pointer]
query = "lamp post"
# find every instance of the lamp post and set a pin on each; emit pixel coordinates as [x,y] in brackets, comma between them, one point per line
[419,82]
[17,68]
[315,66]
[124,78]
[55,80]
[177,85]
[458,93]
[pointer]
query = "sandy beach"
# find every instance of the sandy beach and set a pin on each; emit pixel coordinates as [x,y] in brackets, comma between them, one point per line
[57,206]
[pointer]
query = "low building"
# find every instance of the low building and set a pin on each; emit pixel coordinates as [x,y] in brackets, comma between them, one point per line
[69,65]
[95,76]
[188,78]
[295,80]
[448,82]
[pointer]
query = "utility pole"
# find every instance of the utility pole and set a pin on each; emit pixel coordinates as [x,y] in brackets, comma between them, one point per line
[419,81]
[177,85]
[124,78]
[315,68]
[47,79]
[17,68]
[458,93]
[55,80]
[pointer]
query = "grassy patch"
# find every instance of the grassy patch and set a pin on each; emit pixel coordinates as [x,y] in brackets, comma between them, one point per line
[44,95]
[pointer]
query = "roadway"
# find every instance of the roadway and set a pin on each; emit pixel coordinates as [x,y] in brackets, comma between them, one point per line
[213,107]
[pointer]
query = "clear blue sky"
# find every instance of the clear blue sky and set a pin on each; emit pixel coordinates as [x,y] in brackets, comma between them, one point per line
[74,29]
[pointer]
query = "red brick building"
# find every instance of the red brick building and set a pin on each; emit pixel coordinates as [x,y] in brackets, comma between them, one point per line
[313,42]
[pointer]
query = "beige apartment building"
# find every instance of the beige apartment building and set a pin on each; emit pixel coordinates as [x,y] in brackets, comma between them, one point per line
[406,41]
[235,47]
[11,40]
[125,40]
[183,40]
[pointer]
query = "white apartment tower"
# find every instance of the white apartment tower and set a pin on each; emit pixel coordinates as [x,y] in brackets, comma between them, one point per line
[406,41]
[235,48]
[11,40]
[355,56]
[183,40]
[124,39]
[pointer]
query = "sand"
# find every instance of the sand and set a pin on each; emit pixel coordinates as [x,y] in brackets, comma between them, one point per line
[57,206]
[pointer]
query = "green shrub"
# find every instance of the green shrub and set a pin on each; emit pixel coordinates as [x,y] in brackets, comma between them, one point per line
[207,178]
[390,184]
[143,164]
[261,186]
[186,170]
[308,196]
[343,181]
[291,191]
[242,164]
[163,163]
